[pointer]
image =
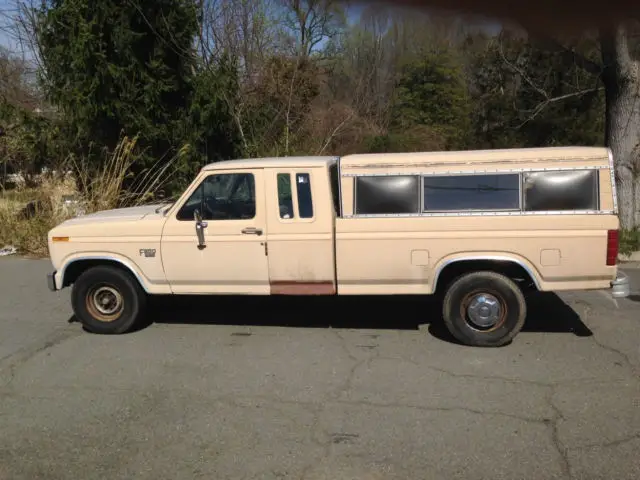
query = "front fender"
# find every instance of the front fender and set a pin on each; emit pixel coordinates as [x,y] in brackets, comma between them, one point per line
[106,258]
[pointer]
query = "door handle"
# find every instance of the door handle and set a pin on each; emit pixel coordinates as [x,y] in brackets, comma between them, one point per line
[252,231]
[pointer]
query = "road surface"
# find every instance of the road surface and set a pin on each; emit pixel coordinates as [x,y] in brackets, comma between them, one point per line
[230,388]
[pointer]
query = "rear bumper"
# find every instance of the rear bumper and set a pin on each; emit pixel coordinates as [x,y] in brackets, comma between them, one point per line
[51,281]
[620,287]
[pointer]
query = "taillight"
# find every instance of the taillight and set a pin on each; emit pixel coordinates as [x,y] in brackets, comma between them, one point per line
[612,247]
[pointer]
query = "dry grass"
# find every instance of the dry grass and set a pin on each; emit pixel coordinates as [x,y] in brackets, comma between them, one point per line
[29,235]
[97,191]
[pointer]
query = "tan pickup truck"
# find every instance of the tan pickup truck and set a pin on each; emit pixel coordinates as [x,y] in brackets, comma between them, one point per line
[481,228]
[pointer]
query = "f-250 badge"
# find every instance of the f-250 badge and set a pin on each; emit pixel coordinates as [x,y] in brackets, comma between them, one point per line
[148,252]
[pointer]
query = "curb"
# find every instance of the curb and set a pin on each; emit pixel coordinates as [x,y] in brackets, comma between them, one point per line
[634,257]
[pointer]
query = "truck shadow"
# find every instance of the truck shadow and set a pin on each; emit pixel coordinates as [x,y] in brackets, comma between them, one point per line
[546,313]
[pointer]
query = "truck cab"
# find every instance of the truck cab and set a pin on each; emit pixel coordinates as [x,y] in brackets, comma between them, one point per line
[262,227]
[482,228]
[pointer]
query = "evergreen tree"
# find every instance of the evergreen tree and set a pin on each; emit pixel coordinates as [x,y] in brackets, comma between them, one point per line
[114,68]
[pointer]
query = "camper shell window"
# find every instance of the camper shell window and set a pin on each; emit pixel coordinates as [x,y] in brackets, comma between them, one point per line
[562,190]
[397,194]
[471,192]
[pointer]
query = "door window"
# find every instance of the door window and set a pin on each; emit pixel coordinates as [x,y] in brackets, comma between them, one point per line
[224,196]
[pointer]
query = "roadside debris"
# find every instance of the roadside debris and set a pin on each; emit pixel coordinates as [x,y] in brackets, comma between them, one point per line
[8,250]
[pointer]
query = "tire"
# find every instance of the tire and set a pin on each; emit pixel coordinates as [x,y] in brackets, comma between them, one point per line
[108,300]
[484,309]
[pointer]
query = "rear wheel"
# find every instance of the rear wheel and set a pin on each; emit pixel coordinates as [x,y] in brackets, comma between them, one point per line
[107,300]
[484,309]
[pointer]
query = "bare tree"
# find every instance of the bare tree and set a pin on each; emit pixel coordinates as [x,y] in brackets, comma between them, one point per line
[309,23]
[244,30]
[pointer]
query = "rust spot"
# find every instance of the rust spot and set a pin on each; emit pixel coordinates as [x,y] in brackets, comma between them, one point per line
[303,288]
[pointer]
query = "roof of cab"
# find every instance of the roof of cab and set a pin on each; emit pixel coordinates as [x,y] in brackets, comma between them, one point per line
[272,162]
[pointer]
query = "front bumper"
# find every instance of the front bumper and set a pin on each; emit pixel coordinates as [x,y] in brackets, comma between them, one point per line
[51,281]
[620,287]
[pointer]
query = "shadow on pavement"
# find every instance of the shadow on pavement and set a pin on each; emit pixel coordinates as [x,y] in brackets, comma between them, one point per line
[546,313]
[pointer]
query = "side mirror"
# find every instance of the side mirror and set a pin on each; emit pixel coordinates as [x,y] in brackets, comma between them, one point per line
[200,226]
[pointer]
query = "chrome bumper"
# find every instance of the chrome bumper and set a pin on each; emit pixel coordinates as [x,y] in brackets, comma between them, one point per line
[620,286]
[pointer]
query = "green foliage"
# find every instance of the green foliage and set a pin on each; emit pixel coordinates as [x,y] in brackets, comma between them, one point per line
[280,102]
[31,141]
[116,68]
[432,93]
[390,83]
[209,128]
[630,241]
[526,95]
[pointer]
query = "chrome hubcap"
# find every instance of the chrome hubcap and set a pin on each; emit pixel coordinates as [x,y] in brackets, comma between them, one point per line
[484,310]
[107,300]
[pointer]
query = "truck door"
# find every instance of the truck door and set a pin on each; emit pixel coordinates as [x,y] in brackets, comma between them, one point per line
[230,257]
[300,238]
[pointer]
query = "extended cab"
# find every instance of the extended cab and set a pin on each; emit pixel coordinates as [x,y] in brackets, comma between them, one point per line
[480,227]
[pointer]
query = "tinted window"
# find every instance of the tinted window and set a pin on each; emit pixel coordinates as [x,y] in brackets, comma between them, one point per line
[194,203]
[285,197]
[549,191]
[335,187]
[305,203]
[387,195]
[229,196]
[472,192]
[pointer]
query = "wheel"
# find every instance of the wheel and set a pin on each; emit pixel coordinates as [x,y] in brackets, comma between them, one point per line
[484,309]
[107,300]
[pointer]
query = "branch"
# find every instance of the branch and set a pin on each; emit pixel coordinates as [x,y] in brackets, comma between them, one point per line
[522,73]
[536,111]
[335,131]
[570,55]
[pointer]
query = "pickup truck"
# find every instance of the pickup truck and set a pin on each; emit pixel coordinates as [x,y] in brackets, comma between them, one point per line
[479,229]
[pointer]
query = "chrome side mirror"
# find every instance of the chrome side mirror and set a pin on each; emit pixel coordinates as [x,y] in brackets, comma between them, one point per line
[200,226]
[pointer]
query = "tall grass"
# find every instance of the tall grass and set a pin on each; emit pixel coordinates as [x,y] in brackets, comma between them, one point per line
[630,241]
[103,190]
[94,190]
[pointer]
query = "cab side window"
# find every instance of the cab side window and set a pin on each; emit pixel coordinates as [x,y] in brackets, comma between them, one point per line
[225,196]
[285,196]
[305,202]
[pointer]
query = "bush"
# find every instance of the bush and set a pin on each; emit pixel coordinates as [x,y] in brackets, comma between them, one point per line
[27,214]
[630,241]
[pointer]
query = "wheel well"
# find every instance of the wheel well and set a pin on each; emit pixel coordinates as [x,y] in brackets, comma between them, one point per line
[73,271]
[507,268]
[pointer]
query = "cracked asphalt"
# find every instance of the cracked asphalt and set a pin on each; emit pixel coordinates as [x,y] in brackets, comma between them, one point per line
[364,388]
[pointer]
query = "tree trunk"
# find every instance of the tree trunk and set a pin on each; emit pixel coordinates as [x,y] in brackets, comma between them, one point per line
[622,86]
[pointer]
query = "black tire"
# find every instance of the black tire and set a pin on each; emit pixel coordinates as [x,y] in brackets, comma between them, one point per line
[509,314]
[118,288]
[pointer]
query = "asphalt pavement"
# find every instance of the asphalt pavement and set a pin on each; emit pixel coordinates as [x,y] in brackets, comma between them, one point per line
[336,389]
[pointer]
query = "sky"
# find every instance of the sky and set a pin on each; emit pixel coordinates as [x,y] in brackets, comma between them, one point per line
[8,8]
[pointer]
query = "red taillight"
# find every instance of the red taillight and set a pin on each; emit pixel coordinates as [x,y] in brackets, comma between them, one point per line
[612,247]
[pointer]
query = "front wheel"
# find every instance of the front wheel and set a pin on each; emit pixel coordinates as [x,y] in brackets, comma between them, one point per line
[107,300]
[484,309]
